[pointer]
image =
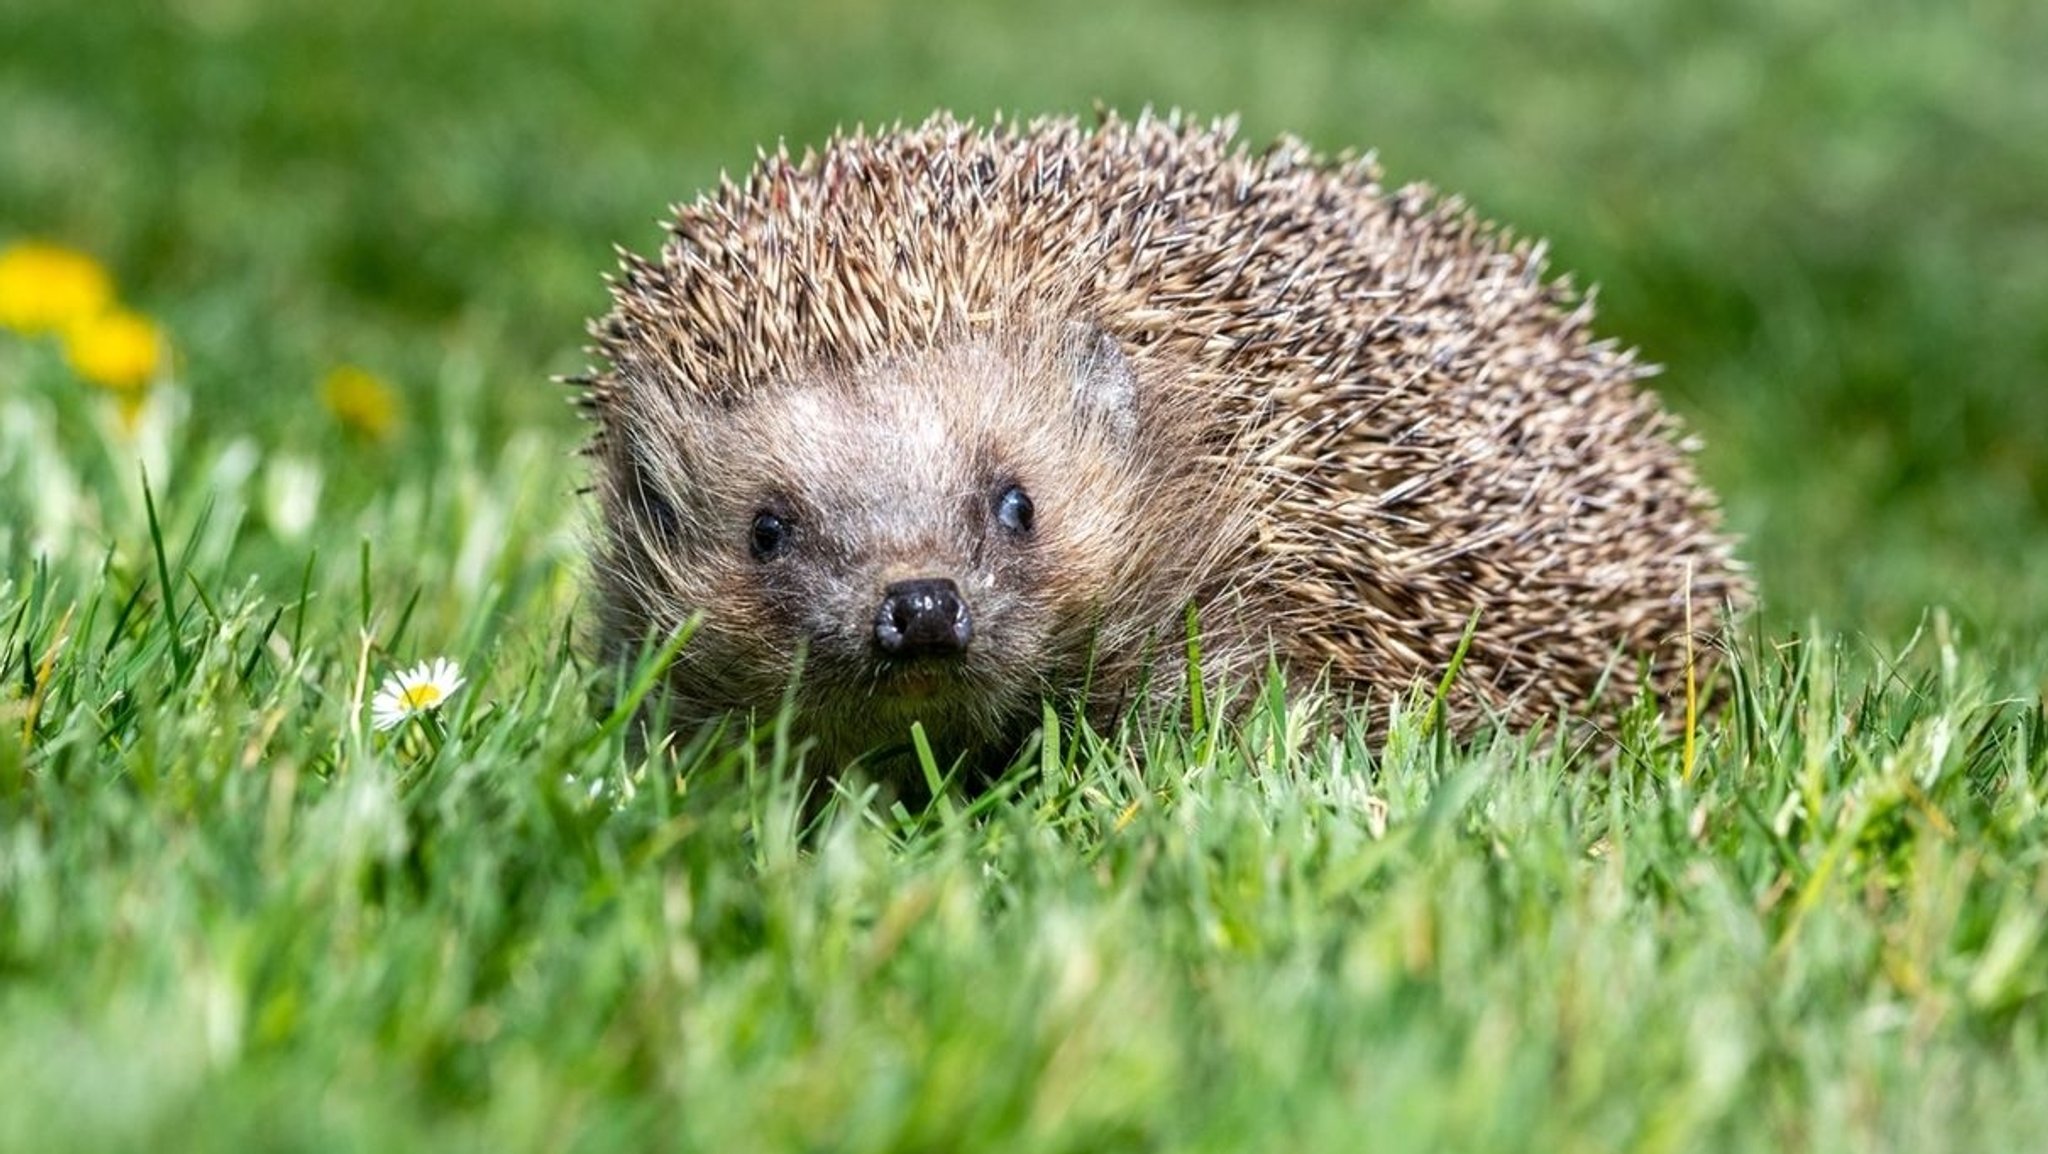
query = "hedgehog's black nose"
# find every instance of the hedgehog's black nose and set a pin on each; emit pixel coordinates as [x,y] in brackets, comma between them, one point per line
[922,618]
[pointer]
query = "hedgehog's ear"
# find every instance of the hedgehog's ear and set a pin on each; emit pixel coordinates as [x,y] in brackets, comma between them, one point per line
[1105,385]
[639,488]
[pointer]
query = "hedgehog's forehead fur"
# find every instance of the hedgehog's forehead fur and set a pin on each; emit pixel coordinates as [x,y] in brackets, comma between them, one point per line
[898,456]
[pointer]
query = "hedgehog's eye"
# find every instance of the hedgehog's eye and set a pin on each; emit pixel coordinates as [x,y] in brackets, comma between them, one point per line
[769,536]
[1013,509]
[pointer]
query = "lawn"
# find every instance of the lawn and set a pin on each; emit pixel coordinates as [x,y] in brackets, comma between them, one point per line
[233,915]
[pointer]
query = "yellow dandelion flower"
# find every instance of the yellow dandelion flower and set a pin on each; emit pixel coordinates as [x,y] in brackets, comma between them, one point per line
[46,286]
[362,401]
[117,350]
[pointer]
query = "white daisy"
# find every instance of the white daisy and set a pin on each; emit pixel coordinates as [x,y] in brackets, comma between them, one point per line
[421,689]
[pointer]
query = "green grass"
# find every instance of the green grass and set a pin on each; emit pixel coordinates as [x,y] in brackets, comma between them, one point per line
[232,917]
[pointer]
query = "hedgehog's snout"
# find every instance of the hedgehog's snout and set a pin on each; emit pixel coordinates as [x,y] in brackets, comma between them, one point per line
[922,618]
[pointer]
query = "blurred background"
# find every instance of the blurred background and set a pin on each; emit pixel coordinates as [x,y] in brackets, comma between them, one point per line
[369,230]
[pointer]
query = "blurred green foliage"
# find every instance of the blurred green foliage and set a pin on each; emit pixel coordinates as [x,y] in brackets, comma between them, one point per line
[1825,217]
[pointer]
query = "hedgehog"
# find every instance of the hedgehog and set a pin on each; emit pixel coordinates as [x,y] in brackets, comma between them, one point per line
[944,425]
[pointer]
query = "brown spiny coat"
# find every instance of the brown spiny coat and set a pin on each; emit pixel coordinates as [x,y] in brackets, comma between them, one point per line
[1337,419]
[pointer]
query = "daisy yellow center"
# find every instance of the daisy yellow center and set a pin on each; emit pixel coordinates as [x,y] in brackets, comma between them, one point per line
[423,696]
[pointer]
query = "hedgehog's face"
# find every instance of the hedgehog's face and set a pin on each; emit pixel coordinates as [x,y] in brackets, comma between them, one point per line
[928,540]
